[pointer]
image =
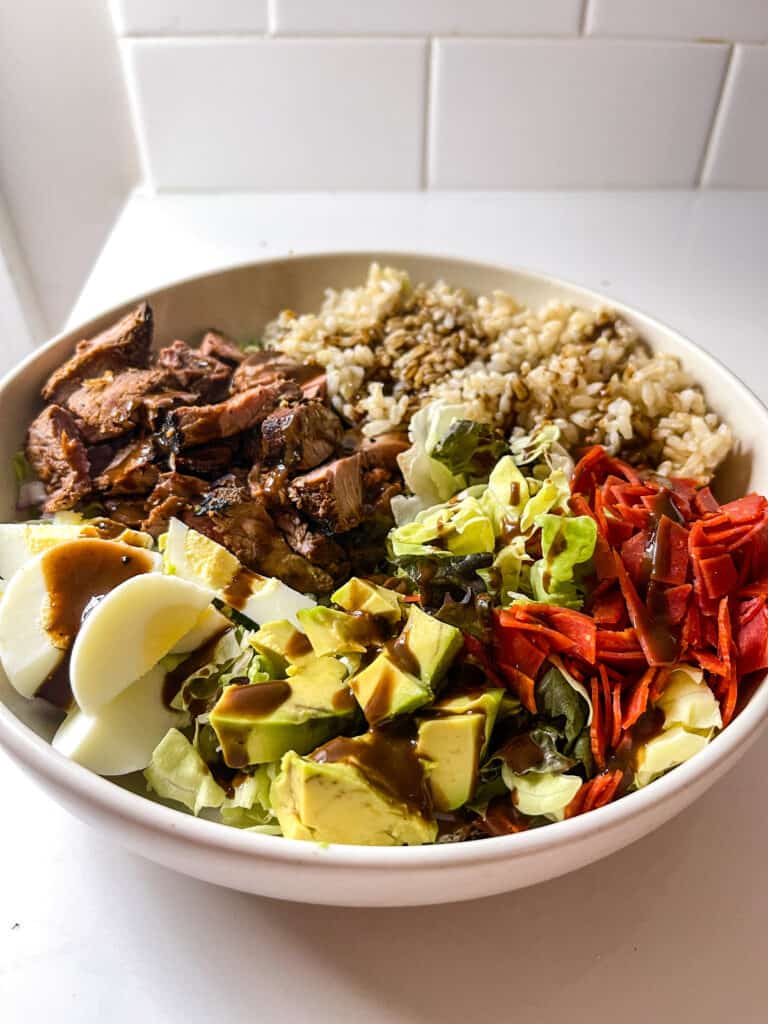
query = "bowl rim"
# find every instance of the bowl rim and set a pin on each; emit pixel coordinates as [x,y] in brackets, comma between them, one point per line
[30,749]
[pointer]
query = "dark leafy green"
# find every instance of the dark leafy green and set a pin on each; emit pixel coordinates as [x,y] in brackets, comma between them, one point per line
[535,751]
[470,449]
[556,698]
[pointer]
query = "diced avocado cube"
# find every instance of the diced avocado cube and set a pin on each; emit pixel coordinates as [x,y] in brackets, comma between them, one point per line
[257,723]
[485,703]
[452,745]
[336,803]
[333,632]
[281,644]
[384,690]
[362,596]
[432,644]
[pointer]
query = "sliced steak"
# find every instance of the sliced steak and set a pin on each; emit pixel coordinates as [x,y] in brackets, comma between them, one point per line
[203,375]
[219,346]
[128,511]
[316,547]
[172,495]
[331,495]
[124,344]
[229,515]
[300,436]
[131,471]
[383,450]
[209,460]
[56,452]
[267,366]
[193,425]
[108,406]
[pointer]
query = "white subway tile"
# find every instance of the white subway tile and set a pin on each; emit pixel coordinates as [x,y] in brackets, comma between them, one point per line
[582,113]
[280,114]
[189,17]
[739,148]
[428,17]
[679,19]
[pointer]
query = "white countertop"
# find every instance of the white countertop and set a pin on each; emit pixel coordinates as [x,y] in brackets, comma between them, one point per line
[671,928]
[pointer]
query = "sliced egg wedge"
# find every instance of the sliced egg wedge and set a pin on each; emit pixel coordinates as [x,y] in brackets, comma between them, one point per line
[20,542]
[120,737]
[210,624]
[42,605]
[192,556]
[128,632]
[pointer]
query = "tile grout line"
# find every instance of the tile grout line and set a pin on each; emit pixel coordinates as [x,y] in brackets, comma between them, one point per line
[710,143]
[426,121]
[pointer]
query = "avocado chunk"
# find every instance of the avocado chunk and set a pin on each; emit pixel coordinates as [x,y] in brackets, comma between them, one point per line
[258,722]
[281,644]
[362,596]
[385,689]
[431,644]
[368,790]
[333,632]
[453,739]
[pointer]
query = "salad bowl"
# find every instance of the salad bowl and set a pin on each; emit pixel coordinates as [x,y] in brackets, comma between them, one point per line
[240,301]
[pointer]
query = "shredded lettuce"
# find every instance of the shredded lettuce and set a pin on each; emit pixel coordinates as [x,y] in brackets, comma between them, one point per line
[469,448]
[458,528]
[249,807]
[567,542]
[429,480]
[177,772]
[545,794]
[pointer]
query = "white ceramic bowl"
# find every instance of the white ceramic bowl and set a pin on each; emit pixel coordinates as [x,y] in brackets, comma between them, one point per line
[240,301]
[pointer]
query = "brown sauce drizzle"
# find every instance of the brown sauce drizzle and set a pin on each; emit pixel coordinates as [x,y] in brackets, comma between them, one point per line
[343,700]
[665,641]
[254,700]
[624,759]
[76,573]
[400,653]
[241,586]
[298,646]
[387,758]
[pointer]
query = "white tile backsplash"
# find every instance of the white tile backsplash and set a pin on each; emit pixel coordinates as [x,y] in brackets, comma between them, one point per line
[680,19]
[280,114]
[739,153]
[189,17]
[428,17]
[518,114]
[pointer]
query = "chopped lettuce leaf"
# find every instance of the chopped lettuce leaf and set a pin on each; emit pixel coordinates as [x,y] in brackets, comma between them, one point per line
[552,496]
[544,794]
[178,772]
[506,495]
[249,807]
[567,542]
[469,448]
[428,479]
[531,448]
[558,699]
[457,528]
[667,750]
[534,751]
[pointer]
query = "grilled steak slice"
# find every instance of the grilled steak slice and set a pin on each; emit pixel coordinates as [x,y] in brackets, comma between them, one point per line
[172,495]
[267,366]
[127,511]
[124,344]
[300,436]
[193,425]
[56,452]
[192,371]
[316,547]
[219,346]
[383,450]
[131,471]
[108,406]
[229,515]
[209,460]
[331,495]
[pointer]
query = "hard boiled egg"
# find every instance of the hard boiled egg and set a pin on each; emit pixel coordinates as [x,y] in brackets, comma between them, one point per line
[128,632]
[120,737]
[210,624]
[42,605]
[193,556]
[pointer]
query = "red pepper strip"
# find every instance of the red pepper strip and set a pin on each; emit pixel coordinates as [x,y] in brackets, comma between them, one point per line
[635,515]
[595,729]
[516,649]
[658,647]
[602,790]
[634,555]
[719,575]
[639,700]
[577,626]
[745,509]
[705,501]
[616,718]
[728,705]
[584,479]
[691,635]
[675,603]
[609,609]
[557,641]
[410,599]
[523,686]
[724,634]
[577,803]
[623,640]
[602,522]
[747,610]
[671,562]
[480,652]
[757,588]
[710,662]
[605,690]
[752,644]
